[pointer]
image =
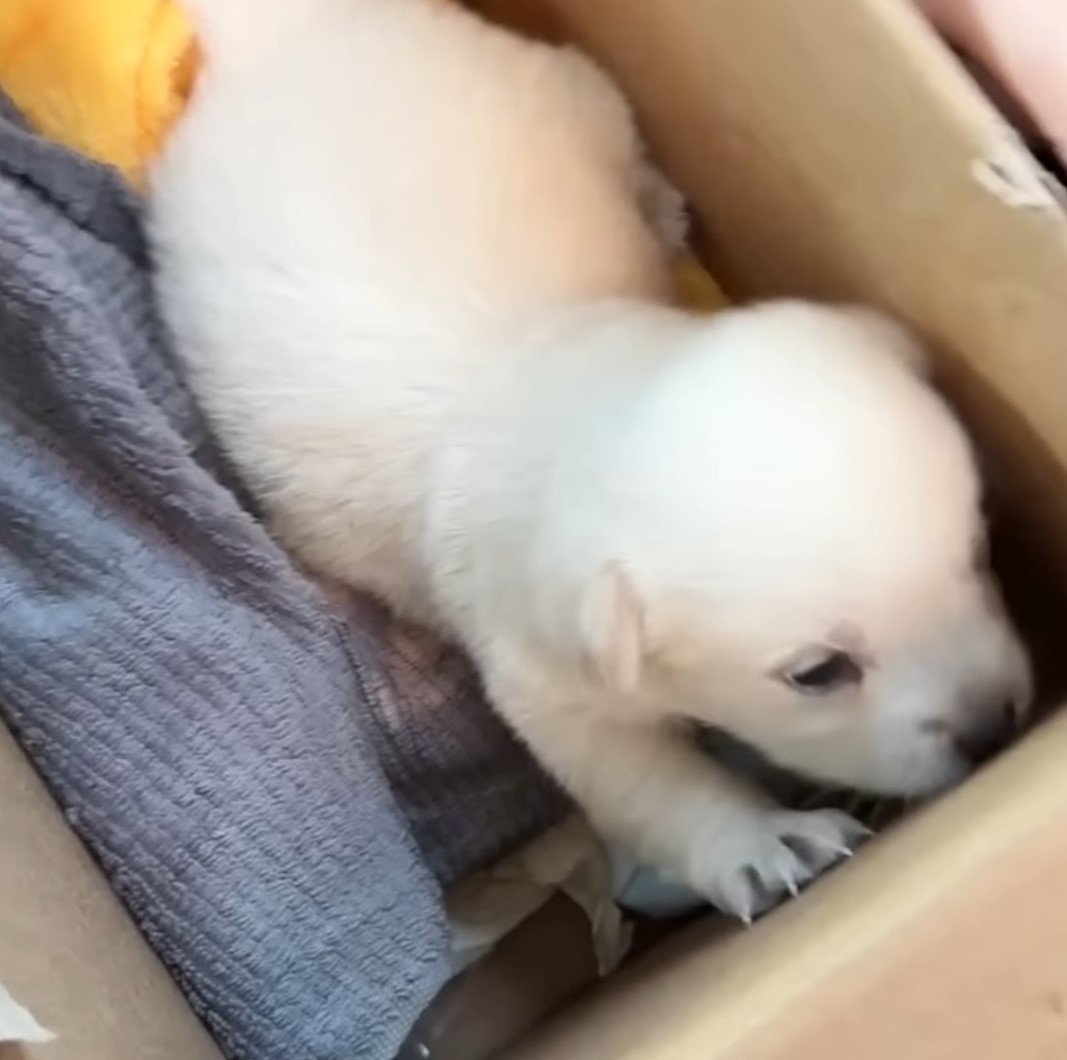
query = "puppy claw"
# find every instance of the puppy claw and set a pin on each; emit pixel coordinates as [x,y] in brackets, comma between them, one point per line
[770,855]
[737,898]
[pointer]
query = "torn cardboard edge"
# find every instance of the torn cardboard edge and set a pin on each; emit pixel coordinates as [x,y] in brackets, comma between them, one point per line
[18,1025]
[1010,173]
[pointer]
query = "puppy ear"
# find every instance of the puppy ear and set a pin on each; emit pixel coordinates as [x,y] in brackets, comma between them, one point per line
[891,335]
[613,628]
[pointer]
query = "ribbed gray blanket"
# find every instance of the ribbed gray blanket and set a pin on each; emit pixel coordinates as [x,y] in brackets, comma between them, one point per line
[275,795]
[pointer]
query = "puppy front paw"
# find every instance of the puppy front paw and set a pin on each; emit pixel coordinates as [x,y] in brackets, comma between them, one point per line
[758,857]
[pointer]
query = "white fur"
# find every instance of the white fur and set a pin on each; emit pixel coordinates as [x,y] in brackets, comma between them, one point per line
[416,270]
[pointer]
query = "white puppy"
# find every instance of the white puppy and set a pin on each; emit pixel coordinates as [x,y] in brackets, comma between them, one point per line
[416,271]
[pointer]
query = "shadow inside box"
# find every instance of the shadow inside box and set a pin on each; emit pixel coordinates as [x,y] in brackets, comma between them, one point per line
[1049,160]
[794,791]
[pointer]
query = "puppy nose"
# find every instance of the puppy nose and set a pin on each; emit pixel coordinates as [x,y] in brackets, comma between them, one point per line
[989,734]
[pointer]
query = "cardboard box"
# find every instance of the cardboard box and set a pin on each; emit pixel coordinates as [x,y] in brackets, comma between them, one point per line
[68,951]
[832,148]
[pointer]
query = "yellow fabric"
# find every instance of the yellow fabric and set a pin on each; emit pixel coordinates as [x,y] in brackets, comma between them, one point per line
[696,289]
[105,77]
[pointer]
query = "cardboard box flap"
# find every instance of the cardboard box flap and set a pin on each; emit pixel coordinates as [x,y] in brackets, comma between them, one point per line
[68,951]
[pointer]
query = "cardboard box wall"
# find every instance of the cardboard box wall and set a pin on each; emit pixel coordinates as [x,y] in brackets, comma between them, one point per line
[833,149]
[68,951]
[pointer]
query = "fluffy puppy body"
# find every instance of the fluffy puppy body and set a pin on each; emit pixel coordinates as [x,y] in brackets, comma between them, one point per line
[417,272]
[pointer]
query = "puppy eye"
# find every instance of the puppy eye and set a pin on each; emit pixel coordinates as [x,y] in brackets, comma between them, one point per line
[830,672]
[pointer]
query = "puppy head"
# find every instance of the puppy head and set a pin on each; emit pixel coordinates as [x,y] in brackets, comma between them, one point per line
[790,547]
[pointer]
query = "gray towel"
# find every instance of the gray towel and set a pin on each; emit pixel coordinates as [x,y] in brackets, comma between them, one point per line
[220,741]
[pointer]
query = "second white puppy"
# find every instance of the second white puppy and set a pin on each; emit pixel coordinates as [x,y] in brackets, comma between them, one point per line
[416,269]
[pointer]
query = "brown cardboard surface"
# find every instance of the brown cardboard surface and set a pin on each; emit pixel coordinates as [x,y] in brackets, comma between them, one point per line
[982,977]
[68,951]
[531,18]
[947,939]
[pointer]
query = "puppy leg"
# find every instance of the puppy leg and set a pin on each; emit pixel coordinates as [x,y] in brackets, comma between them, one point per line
[607,110]
[650,789]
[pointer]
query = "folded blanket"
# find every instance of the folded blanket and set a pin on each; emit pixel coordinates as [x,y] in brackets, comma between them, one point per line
[219,739]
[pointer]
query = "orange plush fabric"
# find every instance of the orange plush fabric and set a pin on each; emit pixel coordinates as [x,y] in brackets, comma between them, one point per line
[105,77]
